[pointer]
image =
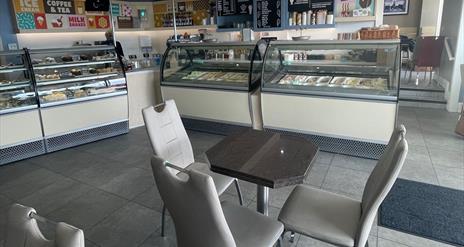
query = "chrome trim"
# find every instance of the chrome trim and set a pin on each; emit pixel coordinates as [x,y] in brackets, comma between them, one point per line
[216,44]
[79,79]
[66,65]
[3,71]
[339,95]
[330,42]
[72,49]
[16,85]
[18,109]
[83,99]
[216,120]
[205,86]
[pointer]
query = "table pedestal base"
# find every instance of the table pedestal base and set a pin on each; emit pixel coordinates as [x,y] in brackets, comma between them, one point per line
[262,200]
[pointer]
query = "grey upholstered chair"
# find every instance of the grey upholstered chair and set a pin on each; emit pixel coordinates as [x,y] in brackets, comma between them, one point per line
[338,219]
[199,219]
[170,141]
[23,230]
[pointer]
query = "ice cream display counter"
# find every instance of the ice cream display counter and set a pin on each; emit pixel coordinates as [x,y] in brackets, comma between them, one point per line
[342,94]
[212,83]
[82,94]
[52,99]
[20,127]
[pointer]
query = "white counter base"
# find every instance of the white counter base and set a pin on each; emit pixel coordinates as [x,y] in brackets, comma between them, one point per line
[222,106]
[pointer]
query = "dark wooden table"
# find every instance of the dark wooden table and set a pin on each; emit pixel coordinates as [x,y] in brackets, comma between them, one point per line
[268,159]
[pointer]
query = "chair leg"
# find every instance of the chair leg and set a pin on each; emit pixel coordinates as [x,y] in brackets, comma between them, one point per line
[279,242]
[410,73]
[292,236]
[367,244]
[163,219]
[239,192]
[431,72]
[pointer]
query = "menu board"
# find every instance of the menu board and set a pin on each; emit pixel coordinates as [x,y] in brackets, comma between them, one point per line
[245,7]
[57,14]
[268,14]
[226,7]
[299,5]
[322,4]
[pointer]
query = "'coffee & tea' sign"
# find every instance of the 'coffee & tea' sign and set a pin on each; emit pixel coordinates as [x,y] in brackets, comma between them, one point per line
[59,6]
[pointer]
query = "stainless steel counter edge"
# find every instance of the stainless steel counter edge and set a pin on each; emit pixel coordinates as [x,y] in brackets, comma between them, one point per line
[155,69]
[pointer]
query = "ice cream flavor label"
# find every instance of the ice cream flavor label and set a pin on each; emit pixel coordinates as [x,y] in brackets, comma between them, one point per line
[40,21]
[57,21]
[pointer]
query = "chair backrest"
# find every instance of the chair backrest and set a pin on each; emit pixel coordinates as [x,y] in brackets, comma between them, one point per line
[194,207]
[167,134]
[381,181]
[22,230]
[428,51]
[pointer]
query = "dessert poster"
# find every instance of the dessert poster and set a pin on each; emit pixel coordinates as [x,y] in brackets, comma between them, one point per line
[34,6]
[91,21]
[57,21]
[40,21]
[59,7]
[77,21]
[344,8]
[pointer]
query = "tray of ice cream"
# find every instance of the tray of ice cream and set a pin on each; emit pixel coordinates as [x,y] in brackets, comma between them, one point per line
[361,83]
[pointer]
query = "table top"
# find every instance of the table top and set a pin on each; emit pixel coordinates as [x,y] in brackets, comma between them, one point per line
[265,158]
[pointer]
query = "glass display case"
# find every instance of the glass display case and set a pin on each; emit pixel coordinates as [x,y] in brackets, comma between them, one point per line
[347,69]
[16,87]
[227,65]
[77,74]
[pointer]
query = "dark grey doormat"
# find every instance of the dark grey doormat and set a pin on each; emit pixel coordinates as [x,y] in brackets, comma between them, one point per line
[425,210]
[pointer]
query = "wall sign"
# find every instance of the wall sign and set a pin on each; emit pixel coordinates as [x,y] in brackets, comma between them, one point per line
[59,7]
[116,9]
[268,14]
[77,21]
[245,7]
[57,21]
[28,6]
[298,5]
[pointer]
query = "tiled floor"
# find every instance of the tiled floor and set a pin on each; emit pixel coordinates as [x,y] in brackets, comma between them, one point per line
[107,189]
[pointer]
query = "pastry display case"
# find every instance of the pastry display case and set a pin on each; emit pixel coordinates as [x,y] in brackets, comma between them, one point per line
[82,94]
[20,127]
[336,91]
[212,81]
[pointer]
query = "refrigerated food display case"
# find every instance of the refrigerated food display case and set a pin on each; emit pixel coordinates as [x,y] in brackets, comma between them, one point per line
[342,94]
[20,127]
[213,84]
[82,94]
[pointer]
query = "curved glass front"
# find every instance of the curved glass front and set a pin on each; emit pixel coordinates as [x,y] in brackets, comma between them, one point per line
[346,69]
[218,65]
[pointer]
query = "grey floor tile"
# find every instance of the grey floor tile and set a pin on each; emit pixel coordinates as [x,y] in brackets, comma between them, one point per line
[150,199]
[381,242]
[13,171]
[444,140]
[130,183]
[273,212]
[317,175]
[100,174]
[310,242]
[26,183]
[169,239]
[248,190]
[408,239]
[360,164]
[418,154]
[450,177]
[277,197]
[446,158]
[88,209]
[5,201]
[419,171]
[68,161]
[415,137]
[233,199]
[89,243]
[129,226]
[345,181]
[55,195]
[324,157]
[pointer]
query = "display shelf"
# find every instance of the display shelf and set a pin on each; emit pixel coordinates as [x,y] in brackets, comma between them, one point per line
[341,19]
[148,29]
[17,109]
[10,69]
[82,99]
[75,79]
[15,85]
[69,30]
[74,64]
[316,26]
